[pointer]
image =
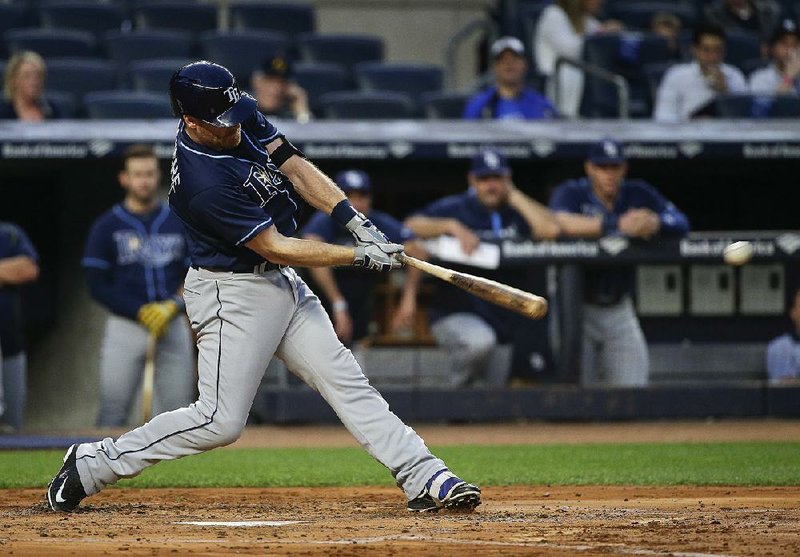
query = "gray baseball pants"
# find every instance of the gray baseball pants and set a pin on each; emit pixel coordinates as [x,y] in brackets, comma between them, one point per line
[614,347]
[241,320]
[13,389]
[122,364]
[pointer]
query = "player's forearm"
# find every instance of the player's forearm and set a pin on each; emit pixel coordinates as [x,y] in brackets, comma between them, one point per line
[539,218]
[284,250]
[312,184]
[579,226]
[431,227]
[18,270]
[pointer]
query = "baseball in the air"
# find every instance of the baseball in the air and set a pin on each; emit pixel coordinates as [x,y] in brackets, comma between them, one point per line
[738,253]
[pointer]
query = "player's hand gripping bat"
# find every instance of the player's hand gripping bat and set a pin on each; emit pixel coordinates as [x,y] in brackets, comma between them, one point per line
[503,295]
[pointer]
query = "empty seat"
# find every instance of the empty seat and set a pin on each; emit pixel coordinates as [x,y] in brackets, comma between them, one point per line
[80,75]
[64,104]
[125,48]
[347,50]
[757,106]
[292,19]
[95,18]
[51,42]
[318,79]
[12,16]
[444,106]
[357,105]
[741,47]
[153,75]
[411,79]
[638,15]
[243,52]
[186,16]
[127,105]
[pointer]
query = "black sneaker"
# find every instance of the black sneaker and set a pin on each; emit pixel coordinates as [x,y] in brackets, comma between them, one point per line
[65,491]
[423,504]
[446,490]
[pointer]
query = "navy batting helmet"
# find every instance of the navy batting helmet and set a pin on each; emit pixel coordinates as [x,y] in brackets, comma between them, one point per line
[209,92]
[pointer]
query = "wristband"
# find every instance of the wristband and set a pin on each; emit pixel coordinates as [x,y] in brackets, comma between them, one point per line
[340,305]
[610,223]
[343,212]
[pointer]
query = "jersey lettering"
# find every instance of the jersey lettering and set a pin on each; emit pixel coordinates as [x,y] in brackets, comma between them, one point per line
[262,184]
[157,250]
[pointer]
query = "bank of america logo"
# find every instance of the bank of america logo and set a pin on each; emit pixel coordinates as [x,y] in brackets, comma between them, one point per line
[613,244]
[789,243]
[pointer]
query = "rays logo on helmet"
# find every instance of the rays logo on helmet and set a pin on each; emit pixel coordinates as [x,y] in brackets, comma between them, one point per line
[233,94]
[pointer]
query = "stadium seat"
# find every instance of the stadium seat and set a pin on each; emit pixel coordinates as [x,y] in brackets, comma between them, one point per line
[125,48]
[153,75]
[12,16]
[51,42]
[65,103]
[347,50]
[444,106]
[80,75]
[318,79]
[411,79]
[95,18]
[292,19]
[653,74]
[242,52]
[186,16]
[356,105]
[638,15]
[749,66]
[741,47]
[102,105]
[757,106]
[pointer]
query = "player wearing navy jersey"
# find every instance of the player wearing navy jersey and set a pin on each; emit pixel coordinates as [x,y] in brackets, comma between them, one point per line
[135,261]
[349,290]
[605,203]
[236,184]
[470,328]
[18,265]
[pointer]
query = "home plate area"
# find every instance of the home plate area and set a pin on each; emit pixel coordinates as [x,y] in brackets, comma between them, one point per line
[514,520]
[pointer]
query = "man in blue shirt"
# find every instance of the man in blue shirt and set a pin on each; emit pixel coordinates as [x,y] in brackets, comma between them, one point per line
[18,266]
[783,352]
[605,203]
[349,291]
[470,328]
[509,98]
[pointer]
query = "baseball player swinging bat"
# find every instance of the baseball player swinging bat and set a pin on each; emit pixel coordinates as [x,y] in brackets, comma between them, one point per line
[149,378]
[525,303]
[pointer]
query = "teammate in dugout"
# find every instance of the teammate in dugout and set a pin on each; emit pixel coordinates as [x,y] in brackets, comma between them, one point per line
[236,184]
[135,260]
[349,290]
[605,203]
[470,328]
[19,264]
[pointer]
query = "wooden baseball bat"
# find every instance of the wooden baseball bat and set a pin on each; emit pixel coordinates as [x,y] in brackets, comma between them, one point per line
[149,378]
[529,305]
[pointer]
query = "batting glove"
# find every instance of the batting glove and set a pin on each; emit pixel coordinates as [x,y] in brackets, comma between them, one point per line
[365,232]
[156,316]
[378,257]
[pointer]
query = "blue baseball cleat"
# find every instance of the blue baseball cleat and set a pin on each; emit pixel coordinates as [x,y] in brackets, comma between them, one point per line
[448,491]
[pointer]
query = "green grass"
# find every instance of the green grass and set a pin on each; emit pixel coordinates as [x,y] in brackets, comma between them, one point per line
[609,464]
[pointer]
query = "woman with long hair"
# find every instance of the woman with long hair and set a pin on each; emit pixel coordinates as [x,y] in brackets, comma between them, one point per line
[23,89]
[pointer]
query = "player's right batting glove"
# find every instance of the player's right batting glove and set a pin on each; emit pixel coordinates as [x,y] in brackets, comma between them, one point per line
[156,316]
[365,232]
[378,257]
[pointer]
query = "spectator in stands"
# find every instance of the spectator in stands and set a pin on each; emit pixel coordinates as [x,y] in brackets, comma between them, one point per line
[688,90]
[560,31]
[277,94]
[781,76]
[760,17]
[509,98]
[491,209]
[783,353]
[668,26]
[23,90]
[18,266]
[605,203]
[349,291]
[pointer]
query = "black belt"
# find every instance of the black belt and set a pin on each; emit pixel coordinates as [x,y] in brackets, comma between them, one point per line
[260,269]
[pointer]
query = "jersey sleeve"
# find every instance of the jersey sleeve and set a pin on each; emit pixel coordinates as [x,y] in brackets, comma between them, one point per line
[263,129]
[99,250]
[565,199]
[673,221]
[320,225]
[443,208]
[474,107]
[229,213]
[21,244]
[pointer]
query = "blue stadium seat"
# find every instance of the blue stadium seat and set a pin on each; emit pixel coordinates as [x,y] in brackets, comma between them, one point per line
[186,16]
[411,79]
[444,106]
[638,15]
[653,74]
[292,19]
[740,47]
[318,79]
[153,75]
[12,16]
[347,50]
[242,52]
[125,48]
[749,66]
[625,55]
[356,105]
[127,105]
[95,18]
[65,103]
[51,42]
[757,106]
[80,75]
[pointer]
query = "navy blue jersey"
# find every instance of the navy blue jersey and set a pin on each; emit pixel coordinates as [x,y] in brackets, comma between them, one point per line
[226,198]
[607,285]
[131,260]
[504,223]
[529,105]
[13,243]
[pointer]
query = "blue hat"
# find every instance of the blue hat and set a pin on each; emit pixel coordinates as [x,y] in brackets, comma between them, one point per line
[489,162]
[606,151]
[353,180]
